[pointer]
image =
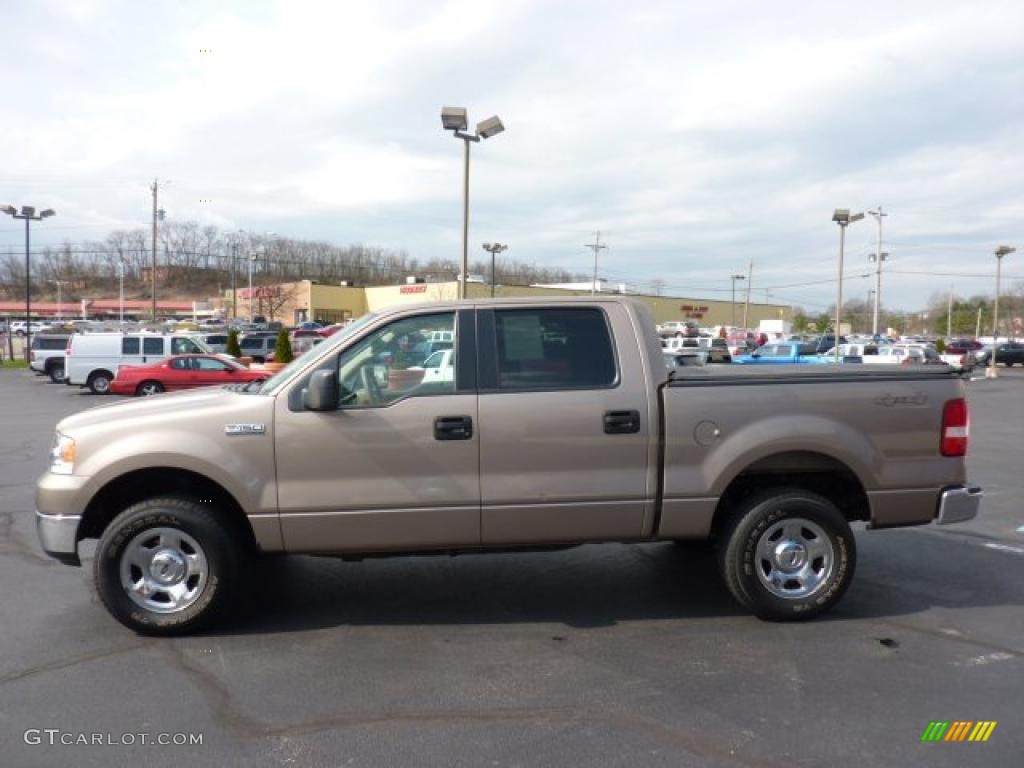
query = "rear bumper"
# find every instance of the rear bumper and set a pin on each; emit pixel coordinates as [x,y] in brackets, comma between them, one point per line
[958,504]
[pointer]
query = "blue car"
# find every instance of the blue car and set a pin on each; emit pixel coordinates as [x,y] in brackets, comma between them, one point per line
[781,353]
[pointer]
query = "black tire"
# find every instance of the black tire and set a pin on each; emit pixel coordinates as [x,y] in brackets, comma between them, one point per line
[744,571]
[56,373]
[99,382]
[147,388]
[222,552]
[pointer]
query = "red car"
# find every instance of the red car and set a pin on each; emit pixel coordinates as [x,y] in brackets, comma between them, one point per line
[963,346]
[180,372]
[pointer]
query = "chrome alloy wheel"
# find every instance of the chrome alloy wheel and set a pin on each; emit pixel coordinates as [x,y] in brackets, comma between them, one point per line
[150,388]
[163,570]
[794,558]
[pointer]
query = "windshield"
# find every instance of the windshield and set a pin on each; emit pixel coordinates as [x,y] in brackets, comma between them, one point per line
[272,385]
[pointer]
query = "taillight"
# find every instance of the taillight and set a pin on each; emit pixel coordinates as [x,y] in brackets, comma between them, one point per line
[955,428]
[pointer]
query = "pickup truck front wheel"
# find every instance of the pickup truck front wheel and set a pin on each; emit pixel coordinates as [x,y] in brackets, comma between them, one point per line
[166,566]
[787,554]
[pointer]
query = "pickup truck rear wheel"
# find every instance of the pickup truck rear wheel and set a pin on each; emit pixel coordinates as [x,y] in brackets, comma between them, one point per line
[56,373]
[166,566]
[787,554]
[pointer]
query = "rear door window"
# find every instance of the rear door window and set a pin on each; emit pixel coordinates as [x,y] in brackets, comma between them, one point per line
[554,349]
[130,345]
[152,346]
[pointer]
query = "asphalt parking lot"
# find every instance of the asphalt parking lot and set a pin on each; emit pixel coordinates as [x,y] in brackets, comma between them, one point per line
[601,655]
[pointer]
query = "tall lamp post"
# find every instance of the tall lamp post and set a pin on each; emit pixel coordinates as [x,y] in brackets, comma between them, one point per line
[1002,250]
[843,218]
[734,278]
[28,213]
[494,249]
[454,119]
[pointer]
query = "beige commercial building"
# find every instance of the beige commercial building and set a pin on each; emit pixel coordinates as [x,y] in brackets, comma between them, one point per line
[309,300]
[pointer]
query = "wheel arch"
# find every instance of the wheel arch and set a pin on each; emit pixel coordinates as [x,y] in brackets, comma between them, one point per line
[808,470]
[127,489]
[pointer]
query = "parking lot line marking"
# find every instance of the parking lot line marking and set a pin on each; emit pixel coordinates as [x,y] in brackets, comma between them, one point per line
[1005,548]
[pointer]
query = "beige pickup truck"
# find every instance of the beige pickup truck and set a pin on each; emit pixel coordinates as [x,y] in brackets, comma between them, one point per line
[539,424]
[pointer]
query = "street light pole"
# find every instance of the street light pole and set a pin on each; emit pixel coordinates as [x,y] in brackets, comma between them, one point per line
[1002,250]
[879,258]
[494,248]
[454,119]
[734,278]
[28,213]
[842,217]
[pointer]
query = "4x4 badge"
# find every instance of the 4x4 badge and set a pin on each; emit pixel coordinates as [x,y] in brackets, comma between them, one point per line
[244,429]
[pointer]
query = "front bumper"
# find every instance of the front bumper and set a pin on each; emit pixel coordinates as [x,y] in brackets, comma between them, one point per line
[58,536]
[60,500]
[958,504]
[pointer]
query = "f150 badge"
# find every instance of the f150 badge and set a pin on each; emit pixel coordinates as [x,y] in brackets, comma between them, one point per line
[889,400]
[244,429]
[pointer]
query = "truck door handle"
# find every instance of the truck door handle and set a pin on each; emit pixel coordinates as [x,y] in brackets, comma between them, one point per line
[453,428]
[621,422]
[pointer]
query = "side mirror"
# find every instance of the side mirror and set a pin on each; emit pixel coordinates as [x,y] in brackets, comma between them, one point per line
[322,392]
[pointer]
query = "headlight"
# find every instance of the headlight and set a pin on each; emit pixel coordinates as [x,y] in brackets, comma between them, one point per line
[62,457]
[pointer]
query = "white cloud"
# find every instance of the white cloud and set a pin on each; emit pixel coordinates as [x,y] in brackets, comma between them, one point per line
[695,137]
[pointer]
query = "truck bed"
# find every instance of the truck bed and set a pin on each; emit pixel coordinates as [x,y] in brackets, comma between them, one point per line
[872,430]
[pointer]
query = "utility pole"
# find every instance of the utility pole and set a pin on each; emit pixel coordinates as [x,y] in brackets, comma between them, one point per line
[154,189]
[879,258]
[234,282]
[734,278]
[746,303]
[949,316]
[977,325]
[596,246]
[158,215]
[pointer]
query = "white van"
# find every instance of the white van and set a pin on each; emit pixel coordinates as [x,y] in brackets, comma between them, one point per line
[92,358]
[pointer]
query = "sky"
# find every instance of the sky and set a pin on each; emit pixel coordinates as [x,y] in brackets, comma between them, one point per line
[694,136]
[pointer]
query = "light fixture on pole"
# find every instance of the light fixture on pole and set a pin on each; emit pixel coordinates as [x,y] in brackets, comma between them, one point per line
[1002,250]
[494,249]
[734,278]
[843,218]
[28,213]
[454,119]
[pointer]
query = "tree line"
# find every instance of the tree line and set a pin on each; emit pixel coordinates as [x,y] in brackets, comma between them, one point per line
[201,259]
